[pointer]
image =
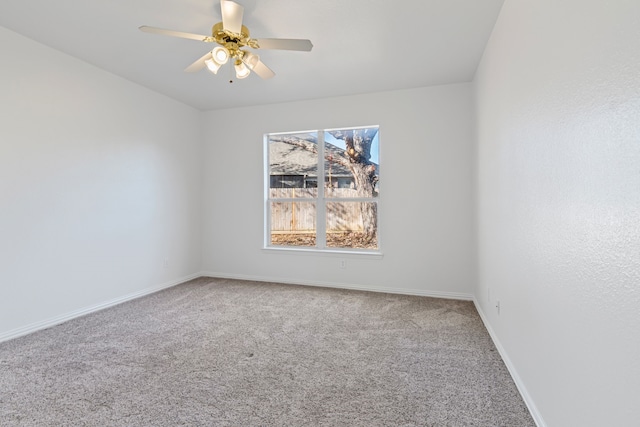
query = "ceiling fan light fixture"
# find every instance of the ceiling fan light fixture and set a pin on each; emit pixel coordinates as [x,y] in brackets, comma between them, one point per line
[220,55]
[232,37]
[242,71]
[212,65]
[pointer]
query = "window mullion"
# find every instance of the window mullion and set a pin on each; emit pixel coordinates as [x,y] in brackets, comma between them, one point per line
[321,222]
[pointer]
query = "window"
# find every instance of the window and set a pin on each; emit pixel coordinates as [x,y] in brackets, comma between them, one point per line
[340,214]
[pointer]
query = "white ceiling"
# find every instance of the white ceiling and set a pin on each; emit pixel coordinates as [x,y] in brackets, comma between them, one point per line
[360,46]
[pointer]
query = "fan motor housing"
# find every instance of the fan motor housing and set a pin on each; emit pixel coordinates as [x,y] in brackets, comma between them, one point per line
[223,36]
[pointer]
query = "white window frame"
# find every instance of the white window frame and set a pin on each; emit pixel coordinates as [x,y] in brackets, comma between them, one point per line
[320,201]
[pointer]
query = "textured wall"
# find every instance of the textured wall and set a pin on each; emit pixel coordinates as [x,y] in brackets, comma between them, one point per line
[558,123]
[100,183]
[426,211]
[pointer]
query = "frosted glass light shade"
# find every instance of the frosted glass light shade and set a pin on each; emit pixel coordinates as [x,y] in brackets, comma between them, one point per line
[242,71]
[250,60]
[220,55]
[212,65]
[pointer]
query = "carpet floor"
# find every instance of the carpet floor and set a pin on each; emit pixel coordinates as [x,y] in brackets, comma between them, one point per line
[218,352]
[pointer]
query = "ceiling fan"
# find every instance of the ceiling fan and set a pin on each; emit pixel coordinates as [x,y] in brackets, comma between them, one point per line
[232,38]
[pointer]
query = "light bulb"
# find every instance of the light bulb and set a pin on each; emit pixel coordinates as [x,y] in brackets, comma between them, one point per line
[212,65]
[220,55]
[241,70]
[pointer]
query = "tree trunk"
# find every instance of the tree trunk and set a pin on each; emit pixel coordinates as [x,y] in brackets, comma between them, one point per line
[358,149]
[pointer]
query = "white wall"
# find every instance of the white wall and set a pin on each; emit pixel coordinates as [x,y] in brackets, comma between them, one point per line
[558,125]
[426,212]
[100,182]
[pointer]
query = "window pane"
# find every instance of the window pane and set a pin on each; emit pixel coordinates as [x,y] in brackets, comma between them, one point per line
[352,225]
[346,193]
[293,224]
[292,193]
[351,163]
[293,164]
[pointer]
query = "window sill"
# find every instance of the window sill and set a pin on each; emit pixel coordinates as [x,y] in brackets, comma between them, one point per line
[324,252]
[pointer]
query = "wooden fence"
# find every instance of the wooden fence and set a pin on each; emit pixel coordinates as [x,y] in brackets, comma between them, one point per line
[300,216]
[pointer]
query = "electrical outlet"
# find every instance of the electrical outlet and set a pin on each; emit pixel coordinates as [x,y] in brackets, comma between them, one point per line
[498,306]
[165,263]
[343,264]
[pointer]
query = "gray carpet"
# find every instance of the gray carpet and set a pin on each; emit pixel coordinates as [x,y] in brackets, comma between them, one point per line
[215,352]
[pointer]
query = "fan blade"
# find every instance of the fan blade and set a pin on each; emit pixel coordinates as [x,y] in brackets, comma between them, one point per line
[199,64]
[285,44]
[231,16]
[263,71]
[154,30]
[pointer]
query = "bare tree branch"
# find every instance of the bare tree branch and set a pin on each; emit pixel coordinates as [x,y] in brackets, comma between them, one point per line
[313,147]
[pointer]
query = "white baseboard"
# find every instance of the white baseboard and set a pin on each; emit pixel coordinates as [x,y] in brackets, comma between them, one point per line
[537,417]
[533,409]
[416,292]
[47,323]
